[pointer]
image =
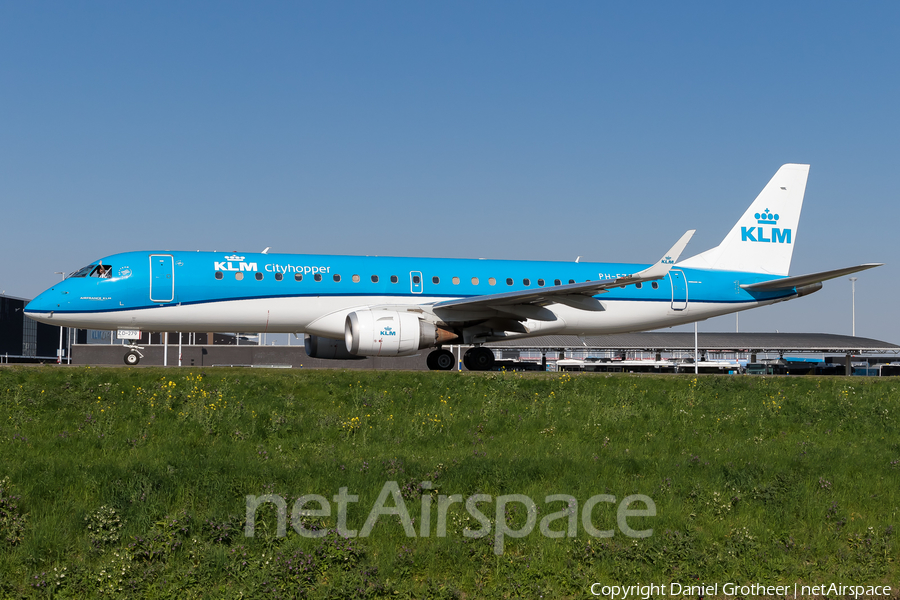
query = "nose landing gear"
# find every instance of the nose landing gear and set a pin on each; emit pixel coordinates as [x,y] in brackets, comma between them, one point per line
[134,355]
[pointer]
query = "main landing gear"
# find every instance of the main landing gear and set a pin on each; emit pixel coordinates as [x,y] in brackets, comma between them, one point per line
[475,359]
[440,360]
[478,359]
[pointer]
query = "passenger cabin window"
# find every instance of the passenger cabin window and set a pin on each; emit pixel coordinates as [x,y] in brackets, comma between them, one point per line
[317,277]
[374,278]
[571,281]
[219,275]
[355,278]
[298,277]
[417,280]
[259,276]
[654,285]
[394,279]
[556,282]
[541,282]
[456,281]
[278,276]
[337,278]
[492,281]
[509,281]
[238,276]
[435,280]
[638,285]
[526,282]
[474,281]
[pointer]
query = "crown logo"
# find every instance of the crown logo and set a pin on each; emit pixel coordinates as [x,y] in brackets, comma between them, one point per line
[234,257]
[388,329]
[766,218]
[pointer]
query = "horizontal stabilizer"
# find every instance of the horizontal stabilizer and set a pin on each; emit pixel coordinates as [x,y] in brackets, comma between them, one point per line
[801,280]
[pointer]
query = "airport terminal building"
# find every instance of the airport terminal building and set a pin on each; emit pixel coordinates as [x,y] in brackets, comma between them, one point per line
[25,340]
[646,352]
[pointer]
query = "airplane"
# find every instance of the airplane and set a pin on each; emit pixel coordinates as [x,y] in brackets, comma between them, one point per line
[360,306]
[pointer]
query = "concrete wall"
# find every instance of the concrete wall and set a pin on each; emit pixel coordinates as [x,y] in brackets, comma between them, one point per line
[207,356]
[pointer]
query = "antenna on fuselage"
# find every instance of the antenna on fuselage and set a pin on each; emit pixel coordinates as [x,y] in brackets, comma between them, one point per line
[266,251]
[578,259]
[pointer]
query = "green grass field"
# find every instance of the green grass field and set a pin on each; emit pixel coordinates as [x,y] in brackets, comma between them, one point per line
[133,482]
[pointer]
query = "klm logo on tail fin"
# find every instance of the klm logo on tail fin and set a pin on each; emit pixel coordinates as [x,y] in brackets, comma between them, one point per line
[758,234]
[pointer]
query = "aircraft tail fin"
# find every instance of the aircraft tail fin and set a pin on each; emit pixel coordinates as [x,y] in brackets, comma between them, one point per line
[762,241]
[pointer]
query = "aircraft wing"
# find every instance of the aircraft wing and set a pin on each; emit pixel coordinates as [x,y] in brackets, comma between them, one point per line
[801,280]
[576,295]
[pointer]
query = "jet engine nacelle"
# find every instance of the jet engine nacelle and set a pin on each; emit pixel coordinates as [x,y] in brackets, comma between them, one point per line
[323,347]
[390,333]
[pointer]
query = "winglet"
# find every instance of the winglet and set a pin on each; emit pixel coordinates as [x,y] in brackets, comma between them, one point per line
[662,266]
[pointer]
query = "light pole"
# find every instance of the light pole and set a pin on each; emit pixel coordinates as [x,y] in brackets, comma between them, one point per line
[59,353]
[853,303]
[696,351]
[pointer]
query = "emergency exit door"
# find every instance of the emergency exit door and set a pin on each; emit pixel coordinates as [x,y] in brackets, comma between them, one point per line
[415,282]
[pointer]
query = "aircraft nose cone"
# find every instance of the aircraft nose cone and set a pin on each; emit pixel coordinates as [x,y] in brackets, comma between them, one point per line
[42,307]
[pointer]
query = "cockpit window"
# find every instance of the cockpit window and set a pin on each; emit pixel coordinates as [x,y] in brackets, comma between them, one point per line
[104,271]
[83,272]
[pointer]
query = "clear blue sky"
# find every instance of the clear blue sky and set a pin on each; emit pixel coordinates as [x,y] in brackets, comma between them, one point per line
[502,130]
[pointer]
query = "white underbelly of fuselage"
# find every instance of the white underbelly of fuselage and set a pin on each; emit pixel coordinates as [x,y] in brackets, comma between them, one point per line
[325,315]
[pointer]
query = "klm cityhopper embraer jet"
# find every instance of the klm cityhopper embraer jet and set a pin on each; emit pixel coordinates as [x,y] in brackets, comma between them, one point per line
[357,306]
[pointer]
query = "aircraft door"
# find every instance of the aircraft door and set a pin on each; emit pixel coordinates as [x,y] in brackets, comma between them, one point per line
[679,289]
[415,282]
[162,278]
